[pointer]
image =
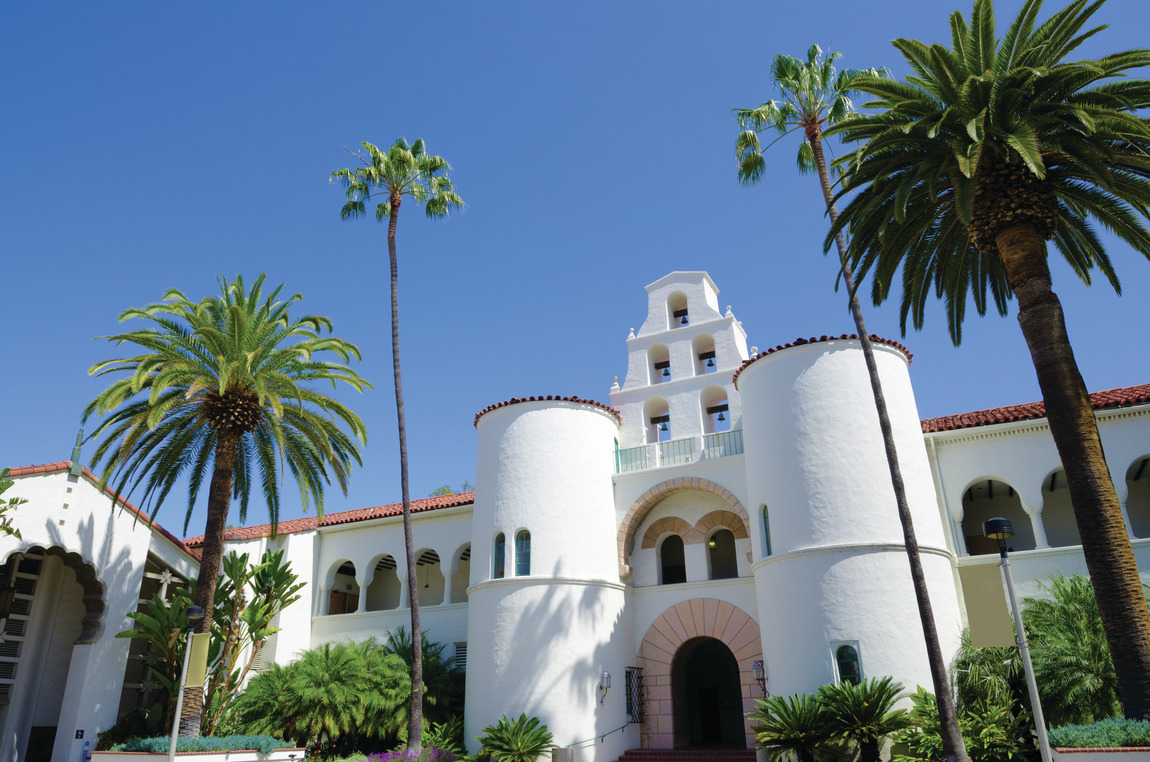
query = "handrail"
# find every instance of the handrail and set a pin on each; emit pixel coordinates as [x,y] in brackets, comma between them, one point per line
[600,738]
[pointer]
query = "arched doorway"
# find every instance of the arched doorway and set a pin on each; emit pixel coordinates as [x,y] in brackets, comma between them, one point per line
[707,696]
[683,642]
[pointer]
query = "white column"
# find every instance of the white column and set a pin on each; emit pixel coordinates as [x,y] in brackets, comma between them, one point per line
[1123,492]
[1039,528]
[362,595]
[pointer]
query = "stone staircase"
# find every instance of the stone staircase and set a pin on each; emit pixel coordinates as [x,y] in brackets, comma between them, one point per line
[688,755]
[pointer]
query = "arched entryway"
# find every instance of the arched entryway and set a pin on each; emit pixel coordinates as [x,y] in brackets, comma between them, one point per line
[685,704]
[706,694]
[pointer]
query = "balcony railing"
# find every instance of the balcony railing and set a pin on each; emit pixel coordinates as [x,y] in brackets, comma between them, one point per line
[678,452]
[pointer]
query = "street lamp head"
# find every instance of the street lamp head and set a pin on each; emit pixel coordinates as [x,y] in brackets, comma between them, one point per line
[998,529]
[195,614]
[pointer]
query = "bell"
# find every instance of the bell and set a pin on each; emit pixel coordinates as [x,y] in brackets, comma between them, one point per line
[721,418]
[710,362]
[683,321]
[663,426]
[666,372]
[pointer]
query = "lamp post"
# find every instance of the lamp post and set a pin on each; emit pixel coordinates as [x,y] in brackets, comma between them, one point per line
[1000,530]
[195,614]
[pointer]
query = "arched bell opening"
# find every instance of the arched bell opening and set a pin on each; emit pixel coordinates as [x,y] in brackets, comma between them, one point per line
[677,315]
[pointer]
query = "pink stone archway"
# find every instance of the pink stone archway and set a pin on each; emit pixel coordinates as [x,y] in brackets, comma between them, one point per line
[654,496]
[695,618]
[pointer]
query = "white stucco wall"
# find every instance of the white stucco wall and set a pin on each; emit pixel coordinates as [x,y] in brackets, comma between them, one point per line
[70,513]
[839,573]
[539,643]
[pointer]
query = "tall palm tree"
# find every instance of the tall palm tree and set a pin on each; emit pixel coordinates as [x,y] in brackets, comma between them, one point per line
[864,714]
[404,170]
[815,95]
[225,384]
[988,150]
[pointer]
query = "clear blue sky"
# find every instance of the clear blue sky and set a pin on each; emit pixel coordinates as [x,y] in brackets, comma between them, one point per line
[150,145]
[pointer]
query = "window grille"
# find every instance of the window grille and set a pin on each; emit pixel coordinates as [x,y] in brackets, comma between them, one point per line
[634,681]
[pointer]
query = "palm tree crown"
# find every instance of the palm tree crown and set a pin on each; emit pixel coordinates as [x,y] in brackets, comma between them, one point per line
[986,135]
[403,170]
[235,365]
[813,93]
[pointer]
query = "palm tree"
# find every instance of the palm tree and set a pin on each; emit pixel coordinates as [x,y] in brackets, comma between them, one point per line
[225,384]
[792,727]
[404,170]
[988,150]
[864,714]
[814,95]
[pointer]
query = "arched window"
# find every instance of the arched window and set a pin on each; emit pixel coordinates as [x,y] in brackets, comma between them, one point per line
[766,532]
[522,553]
[721,554]
[500,552]
[850,671]
[672,563]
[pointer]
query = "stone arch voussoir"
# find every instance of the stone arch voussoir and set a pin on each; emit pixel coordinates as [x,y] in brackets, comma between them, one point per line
[652,497]
[683,622]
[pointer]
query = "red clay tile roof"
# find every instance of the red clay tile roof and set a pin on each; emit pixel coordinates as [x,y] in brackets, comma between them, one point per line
[307,523]
[813,340]
[554,397]
[1120,397]
[64,465]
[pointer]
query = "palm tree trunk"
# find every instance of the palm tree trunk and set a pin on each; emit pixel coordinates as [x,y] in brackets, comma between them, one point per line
[219,501]
[1105,544]
[952,743]
[415,715]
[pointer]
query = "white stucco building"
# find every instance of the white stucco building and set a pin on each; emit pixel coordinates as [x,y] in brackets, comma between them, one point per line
[621,568]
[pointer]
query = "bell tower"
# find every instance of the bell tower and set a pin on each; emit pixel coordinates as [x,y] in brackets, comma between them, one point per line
[678,385]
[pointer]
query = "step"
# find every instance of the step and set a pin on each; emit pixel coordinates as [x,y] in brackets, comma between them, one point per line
[688,755]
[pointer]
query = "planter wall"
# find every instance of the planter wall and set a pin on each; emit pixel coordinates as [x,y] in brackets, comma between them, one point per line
[1114,754]
[279,755]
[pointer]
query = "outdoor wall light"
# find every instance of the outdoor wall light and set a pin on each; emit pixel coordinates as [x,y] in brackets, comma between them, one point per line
[1000,530]
[760,675]
[604,684]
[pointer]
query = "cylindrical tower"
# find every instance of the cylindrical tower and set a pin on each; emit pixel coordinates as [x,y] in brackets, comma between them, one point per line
[545,606]
[833,583]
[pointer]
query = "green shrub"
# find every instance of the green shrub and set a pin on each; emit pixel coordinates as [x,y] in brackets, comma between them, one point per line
[520,740]
[993,731]
[263,744]
[138,723]
[1111,732]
